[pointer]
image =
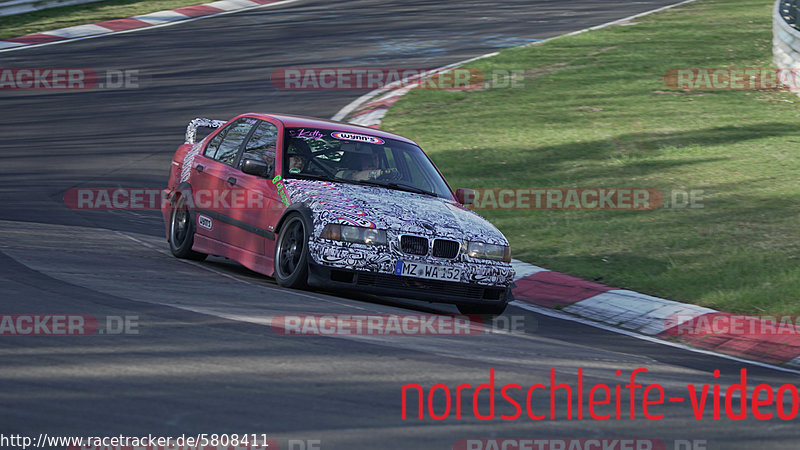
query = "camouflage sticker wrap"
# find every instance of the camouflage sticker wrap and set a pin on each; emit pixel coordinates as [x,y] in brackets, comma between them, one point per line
[399,213]
[191,129]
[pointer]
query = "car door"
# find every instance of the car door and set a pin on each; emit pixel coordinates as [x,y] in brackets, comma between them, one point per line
[204,181]
[262,206]
[213,196]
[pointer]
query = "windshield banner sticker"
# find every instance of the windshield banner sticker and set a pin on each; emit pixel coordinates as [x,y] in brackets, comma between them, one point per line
[357,137]
[306,134]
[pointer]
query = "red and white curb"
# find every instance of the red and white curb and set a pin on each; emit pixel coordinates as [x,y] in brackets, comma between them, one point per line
[136,23]
[657,317]
[369,109]
[624,311]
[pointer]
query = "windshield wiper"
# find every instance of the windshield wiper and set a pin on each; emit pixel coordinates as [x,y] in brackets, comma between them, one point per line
[411,188]
[400,186]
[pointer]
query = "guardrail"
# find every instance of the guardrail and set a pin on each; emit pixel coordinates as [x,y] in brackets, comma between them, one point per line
[12,7]
[786,38]
[788,10]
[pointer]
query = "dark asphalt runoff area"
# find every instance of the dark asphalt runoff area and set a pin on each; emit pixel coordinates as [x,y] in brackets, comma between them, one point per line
[204,358]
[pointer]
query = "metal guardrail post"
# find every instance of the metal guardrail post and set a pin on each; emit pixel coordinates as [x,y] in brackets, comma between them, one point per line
[786,38]
[789,11]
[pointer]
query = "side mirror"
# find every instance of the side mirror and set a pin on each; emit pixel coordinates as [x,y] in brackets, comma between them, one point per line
[465,196]
[254,167]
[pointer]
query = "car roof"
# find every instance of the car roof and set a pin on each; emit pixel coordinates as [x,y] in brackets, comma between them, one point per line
[292,121]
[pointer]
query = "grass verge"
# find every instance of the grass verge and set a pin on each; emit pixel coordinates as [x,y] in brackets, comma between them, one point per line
[67,16]
[595,112]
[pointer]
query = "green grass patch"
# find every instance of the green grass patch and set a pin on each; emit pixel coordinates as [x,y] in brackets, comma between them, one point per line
[67,16]
[595,112]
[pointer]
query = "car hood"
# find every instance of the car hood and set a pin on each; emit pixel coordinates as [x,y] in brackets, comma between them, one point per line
[397,211]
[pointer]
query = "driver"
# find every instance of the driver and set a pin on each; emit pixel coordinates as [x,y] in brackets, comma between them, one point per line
[364,163]
[369,163]
[299,154]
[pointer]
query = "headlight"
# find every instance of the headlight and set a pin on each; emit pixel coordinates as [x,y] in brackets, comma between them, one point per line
[480,250]
[358,235]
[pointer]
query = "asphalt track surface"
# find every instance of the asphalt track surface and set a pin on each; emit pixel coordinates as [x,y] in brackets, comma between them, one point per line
[205,360]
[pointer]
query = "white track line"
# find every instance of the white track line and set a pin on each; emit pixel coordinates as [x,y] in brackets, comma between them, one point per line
[368,96]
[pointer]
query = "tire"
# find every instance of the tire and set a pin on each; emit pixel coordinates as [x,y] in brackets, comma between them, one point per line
[483,310]
[181,232]
[291,253]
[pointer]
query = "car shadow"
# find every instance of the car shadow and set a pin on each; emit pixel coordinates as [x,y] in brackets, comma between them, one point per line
[233,268]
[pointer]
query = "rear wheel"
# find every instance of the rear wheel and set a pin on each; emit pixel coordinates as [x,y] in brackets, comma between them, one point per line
[181,232]
[483,310]
[291,253]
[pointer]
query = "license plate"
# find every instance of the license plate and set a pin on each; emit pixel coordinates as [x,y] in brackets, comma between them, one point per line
[430,271]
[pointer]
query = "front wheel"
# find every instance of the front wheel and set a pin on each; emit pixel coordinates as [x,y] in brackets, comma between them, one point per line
[181,232]
[291,253]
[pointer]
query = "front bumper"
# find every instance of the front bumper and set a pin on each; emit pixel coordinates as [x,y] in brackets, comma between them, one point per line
[391,285]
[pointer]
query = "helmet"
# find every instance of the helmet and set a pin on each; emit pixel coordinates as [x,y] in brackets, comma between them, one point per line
[299,147]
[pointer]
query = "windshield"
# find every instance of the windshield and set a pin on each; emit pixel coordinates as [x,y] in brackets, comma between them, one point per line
[360,159]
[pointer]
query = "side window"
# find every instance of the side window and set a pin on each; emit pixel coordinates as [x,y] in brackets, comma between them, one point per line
[213,146]
[261,145]
[234,135]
